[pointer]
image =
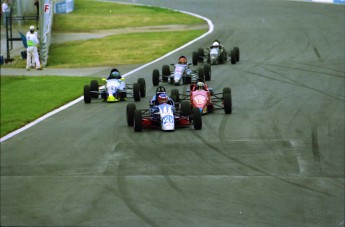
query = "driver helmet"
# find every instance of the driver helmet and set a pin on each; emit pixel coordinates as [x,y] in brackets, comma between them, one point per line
[115,75]
[215,44]
[200,85]
[162,98]
[182,60]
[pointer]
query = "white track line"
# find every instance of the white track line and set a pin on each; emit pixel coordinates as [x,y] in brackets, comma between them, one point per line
[210,30]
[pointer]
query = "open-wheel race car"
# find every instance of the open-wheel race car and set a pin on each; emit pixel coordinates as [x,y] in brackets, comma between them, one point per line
[200,96]
[115,89]
[216,54]
[181,73]
[162,114]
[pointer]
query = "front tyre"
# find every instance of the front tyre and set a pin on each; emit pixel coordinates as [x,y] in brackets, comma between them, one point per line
[138,120]
[197,122]
[94,88]
[227,100]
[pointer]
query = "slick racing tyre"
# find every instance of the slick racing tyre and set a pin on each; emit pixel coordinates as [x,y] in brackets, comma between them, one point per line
[185,108]
[155,77]
[207,72]
[201,74]
[227,100]
[142,87]
[165,72]
[176,94]
[137,121]
[136,92]
[87,94]
[130,113]
[201,54]
[226,90]
[197,122]
[232,57]
[195,58]
[94,88]
[237,53]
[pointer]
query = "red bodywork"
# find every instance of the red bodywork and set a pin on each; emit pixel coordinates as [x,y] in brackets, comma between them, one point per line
[201,98]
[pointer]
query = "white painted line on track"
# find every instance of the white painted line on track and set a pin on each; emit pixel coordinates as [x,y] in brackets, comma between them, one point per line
[41,119]
[210,30]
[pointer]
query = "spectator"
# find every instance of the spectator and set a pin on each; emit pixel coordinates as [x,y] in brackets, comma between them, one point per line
[5,7]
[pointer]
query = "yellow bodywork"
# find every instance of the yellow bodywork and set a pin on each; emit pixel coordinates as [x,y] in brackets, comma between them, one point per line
[111,98]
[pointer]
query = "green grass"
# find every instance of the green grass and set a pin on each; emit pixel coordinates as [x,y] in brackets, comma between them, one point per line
[26,98]
[90,15]
[117,50]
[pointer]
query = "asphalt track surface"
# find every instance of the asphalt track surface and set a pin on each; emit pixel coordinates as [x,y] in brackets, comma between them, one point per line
[277,160]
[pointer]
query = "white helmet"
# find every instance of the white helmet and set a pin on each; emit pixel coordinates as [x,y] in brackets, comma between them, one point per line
[32,27]
[215,44]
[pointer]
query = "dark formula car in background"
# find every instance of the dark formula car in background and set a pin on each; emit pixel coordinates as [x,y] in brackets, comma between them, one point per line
[216,54]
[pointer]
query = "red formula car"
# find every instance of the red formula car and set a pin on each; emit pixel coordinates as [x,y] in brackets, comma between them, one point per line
[203,98]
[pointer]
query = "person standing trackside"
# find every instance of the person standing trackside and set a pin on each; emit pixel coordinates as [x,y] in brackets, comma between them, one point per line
[5,7]
[32,41]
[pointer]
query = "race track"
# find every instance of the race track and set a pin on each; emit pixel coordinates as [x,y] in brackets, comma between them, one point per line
[277,160]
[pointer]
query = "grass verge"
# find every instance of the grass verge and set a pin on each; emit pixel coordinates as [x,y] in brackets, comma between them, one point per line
[26,98]
[90,15]
[117,49]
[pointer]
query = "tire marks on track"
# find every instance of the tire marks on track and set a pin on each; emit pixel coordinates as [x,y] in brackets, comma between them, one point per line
[126,197]
[259,170]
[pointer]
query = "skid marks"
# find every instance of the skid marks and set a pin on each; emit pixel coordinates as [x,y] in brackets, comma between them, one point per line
[221,149]
[126,197]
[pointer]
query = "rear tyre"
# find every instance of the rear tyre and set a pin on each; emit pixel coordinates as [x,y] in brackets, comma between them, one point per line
[142,87]
[207,72]
[155,77]
[201,74]
[197,122]
[195,58]
[165,72]
[227,100]
[175,93]
[87,95]
[201,54]
[233,57]
[237,53]
[185,108]
[137,121]
[136,92]
[130,113]
[94,88]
